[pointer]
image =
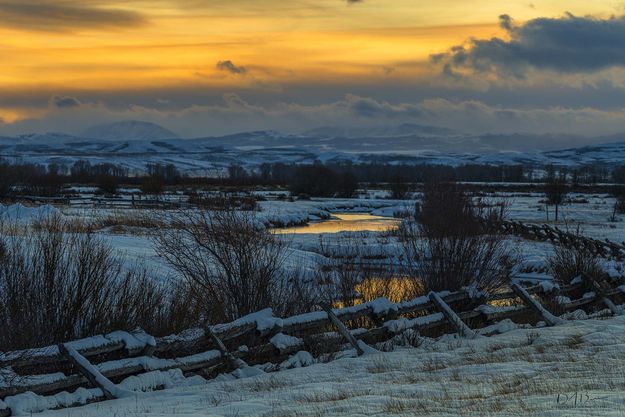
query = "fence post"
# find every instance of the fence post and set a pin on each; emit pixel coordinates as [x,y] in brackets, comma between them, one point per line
[549,318]
[239,363]
[616,311]
[89,371]
[342,329]
[451,316]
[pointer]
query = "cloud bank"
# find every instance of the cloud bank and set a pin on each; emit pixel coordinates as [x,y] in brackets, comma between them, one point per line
[570,44]
[235,114]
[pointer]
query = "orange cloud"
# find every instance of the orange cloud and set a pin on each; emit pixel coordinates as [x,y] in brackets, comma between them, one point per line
[138,45]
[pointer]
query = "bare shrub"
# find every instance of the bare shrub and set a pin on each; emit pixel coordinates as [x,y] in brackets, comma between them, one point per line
[339,272]
[56,285]
[448,246]
[345,277]
[122,219]
[232,262]
[567,263]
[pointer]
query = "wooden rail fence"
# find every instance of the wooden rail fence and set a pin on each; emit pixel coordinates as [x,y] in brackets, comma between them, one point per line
[97,368]
[545,233]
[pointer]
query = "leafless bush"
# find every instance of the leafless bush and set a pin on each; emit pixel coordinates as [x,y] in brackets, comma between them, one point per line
[339,272]
[347,274]
[56,285]
[447,244]
[234,265]
[123,219]
[567,263]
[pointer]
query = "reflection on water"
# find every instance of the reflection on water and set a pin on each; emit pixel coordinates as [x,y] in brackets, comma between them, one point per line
[345,223]
[394,288]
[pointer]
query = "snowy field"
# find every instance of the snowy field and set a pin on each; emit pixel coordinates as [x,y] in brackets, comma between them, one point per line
[589,213]
[576,369]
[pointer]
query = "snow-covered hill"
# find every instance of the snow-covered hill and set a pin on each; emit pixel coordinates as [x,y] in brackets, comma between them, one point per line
[407,144]
[405,129]
[129,130]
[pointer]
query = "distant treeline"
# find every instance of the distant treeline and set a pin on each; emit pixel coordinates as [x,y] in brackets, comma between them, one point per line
[48,180]
[317,179]
[301,177]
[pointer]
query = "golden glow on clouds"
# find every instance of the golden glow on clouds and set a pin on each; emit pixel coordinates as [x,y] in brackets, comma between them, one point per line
[180,42]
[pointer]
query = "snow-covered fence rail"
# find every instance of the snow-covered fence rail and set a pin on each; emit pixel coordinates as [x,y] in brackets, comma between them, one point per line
[545,233]
[121,363]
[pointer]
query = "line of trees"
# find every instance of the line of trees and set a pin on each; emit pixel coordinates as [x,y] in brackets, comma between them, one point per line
[328,179]
[372,172]
[47,181]
[281,173]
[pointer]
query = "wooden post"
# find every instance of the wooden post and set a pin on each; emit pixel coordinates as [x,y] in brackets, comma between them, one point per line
[342,329]
[529,301]
[616,311]
[236,362]
[451,316]
[94,376]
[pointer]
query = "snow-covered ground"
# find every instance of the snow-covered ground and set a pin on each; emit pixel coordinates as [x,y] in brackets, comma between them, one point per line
[133,144]
[590,213]
[576,369]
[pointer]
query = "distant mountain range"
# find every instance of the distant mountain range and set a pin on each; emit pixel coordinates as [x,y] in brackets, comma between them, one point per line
[133,144]
[405,129]
[129,130]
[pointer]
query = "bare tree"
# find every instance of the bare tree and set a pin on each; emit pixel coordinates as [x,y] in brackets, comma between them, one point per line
[234,264]
[57,285]
[447,245]
[556,191]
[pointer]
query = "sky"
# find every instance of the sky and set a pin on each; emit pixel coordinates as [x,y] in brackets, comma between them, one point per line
[213,67]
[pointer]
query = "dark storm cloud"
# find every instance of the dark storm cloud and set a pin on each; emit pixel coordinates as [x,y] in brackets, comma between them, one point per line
[569,45]
[64,15]
[64,102]
[229,66]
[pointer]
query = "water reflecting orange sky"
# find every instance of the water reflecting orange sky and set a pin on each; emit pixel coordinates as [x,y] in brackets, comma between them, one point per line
[344,222]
